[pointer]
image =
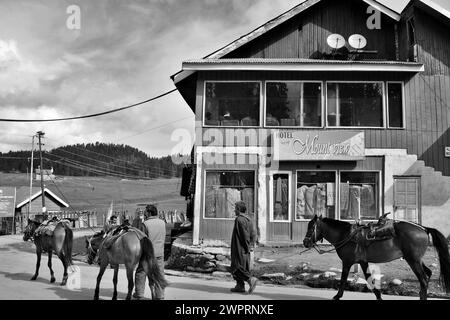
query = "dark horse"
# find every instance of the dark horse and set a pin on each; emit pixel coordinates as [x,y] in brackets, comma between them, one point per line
[129,250]
[410,242]
[59,242]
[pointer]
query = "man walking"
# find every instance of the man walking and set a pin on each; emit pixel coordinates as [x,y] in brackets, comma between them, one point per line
[156,231]
[242,241]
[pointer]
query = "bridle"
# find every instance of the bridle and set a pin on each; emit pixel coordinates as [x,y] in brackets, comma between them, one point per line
[336,245]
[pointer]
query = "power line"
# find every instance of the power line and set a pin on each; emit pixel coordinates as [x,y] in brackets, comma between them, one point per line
[91,115]
[132,166]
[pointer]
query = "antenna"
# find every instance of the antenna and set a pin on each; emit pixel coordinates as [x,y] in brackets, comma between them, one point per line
[357,41]
[336,41]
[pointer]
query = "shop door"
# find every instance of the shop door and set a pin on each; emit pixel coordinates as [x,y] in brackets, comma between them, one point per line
[280,207]
[407,199]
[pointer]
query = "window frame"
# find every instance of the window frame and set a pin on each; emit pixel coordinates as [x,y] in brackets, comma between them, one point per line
[271,199]
[380,195]
[383,108]
[322,106]
[255,200]
[402,83]
[336,176]
[261,98]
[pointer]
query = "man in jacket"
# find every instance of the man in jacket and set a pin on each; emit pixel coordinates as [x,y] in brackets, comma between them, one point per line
[242,241]
[156,231]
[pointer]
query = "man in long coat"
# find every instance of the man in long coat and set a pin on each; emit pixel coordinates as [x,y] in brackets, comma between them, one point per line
[242,241]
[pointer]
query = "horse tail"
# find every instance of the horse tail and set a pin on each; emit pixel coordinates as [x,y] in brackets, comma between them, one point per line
[67,245]
[155,276]
[441,245]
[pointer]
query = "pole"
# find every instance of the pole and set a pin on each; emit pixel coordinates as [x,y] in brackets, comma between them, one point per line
[40,134]
[31,175]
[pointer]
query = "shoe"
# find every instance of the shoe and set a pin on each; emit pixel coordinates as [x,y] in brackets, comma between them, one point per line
[238,289]
[252,282]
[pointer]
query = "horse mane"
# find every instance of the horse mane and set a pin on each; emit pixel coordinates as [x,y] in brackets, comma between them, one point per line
[336,223]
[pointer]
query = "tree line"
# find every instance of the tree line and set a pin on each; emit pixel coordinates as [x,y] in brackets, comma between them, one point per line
[94,159]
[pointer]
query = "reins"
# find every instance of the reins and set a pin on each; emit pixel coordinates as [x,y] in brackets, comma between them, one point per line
[337,245]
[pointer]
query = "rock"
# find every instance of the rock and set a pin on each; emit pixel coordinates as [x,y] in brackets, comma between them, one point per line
[190,269]
[317,276]
[209,264]
[434,265]
[335,269]
[304,274]
[329,274]
[208,256]
[217,250]
[220,257]
[223,267]
[194,250]
[264,260]
[288,278]
[396,282]
[279,275]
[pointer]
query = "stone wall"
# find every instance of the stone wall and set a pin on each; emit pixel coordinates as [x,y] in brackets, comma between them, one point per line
[205,258]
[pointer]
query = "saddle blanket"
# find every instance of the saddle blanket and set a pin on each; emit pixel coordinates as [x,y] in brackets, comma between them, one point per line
[115,234]
[48,226]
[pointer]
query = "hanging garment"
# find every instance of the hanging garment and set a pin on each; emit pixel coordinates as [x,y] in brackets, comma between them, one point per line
[354,202]
[285,198]
[367,201]
[248,196]
[310,202]
[210,203]
[233,195]
[278,190]
[320,200]
[300,205]
[331,194]
[344,202]
[185,181]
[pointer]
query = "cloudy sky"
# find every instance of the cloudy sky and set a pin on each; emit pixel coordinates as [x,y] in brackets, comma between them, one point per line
[124,53]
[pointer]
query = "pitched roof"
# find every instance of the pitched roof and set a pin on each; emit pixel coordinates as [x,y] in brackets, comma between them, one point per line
[283,18]
[23,196]
[435,7]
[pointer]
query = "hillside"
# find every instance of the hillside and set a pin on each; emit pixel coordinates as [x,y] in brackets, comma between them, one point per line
[95,159]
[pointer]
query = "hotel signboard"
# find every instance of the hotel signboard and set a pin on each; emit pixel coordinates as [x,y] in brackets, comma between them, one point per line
[291,145]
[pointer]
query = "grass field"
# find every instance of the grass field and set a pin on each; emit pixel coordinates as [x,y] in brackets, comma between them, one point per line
[96,193]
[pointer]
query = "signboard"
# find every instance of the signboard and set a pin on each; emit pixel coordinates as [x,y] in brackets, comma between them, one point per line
[447,152]
[7,201]
[293,145]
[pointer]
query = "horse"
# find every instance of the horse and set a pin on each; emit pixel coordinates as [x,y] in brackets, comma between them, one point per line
[59,242]
[410,242]
[129,250]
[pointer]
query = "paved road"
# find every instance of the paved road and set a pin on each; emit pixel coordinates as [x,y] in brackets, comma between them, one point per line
[17,262]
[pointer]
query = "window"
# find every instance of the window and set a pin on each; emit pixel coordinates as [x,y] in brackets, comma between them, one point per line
[359,195]
[224,189]
[294,104]
[355,104]
[232,104]
[412,47]
[395,104]
[406,199]
[316,194]
[280,189]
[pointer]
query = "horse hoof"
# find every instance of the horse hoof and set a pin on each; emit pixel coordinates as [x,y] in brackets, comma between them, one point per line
[95,297]
[64,282]
[52,280]
[336,297]
[114,298]
[33,278]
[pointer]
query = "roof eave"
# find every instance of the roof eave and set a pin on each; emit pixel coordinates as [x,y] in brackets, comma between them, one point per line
[365,67]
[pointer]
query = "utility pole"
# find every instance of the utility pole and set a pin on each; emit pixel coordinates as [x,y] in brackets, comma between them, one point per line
[31,175]
[44,209]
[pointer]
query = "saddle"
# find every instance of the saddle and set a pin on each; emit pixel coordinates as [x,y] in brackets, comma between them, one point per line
[48,226]
[112,236]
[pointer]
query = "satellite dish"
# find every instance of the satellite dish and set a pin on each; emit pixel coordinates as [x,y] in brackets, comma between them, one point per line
[357,41]
[336,41]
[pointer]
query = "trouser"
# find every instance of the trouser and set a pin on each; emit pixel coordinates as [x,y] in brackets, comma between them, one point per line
[156,291]
[242,273]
